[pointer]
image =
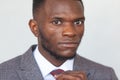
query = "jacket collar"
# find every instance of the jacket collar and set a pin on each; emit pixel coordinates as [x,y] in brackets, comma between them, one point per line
[28,67]
[82,64]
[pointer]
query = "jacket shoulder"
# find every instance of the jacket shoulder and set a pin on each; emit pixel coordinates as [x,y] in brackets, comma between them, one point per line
[97,70]
[11,69]
[8,69]
[15,63]
[87,63]
[10,64]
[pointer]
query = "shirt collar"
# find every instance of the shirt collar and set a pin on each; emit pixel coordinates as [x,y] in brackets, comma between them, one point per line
[46,67]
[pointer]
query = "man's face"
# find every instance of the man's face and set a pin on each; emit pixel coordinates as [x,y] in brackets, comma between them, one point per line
[60,27]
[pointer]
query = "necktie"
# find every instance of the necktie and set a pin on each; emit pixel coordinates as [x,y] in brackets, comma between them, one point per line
[55,72]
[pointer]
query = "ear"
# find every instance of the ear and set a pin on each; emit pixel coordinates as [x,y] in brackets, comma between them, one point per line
[34,27]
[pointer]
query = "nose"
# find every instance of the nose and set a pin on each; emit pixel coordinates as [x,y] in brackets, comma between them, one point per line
[69,30]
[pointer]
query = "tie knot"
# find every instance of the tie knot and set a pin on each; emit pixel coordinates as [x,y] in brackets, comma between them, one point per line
[57,71]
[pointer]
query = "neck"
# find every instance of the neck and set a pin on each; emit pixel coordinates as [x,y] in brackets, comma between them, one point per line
[53,60]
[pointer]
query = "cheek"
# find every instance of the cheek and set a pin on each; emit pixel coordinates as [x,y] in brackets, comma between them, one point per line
[49,36]
[53,32]
[80,31]
[54,38]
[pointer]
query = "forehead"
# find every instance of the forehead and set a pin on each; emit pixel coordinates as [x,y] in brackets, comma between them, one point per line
[65,8]
[60,5]
[57,2]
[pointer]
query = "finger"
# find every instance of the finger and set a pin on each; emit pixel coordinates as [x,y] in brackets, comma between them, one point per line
[72,75]
[76,73]
[67,77]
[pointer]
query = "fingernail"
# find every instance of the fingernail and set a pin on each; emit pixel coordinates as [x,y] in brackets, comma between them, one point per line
[55,76]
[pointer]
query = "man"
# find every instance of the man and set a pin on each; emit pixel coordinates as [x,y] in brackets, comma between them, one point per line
[59,27]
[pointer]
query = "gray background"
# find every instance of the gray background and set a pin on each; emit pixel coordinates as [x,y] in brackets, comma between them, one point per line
[101,41]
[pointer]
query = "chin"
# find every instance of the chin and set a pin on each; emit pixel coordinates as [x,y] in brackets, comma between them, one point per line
[63,57]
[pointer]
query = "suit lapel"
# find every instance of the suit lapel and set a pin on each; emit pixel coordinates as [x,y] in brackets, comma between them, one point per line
[80,64]
[29,69]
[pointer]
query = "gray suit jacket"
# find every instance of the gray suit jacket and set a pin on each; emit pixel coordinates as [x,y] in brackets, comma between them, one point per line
[24,67]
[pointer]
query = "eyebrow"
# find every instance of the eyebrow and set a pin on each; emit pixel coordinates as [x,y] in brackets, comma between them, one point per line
[60,18]
[82,18]
[57,18]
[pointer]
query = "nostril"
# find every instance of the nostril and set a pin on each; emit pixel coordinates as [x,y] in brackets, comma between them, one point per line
[69,32]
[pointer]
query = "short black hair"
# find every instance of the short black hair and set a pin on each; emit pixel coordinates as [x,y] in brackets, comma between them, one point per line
[38,3]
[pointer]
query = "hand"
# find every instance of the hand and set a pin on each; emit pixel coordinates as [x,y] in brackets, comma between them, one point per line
[71,75]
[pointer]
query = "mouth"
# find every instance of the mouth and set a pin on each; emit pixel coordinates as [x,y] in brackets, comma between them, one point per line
[69,44]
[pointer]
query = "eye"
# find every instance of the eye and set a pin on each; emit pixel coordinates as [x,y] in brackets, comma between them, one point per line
[56,22]
[78,22]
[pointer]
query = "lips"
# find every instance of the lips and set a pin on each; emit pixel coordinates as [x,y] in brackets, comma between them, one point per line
[69,44]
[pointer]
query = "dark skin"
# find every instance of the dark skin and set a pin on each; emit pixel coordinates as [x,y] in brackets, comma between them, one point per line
[59,27]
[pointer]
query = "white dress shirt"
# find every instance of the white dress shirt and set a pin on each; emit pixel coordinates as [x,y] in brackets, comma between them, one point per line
[46,67]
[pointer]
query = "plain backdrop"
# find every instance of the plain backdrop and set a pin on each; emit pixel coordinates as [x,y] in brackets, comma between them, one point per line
[101,41]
